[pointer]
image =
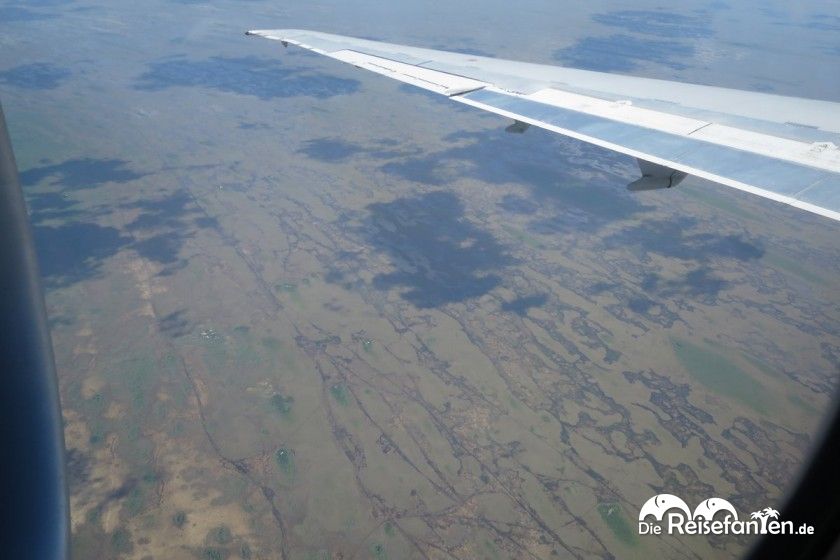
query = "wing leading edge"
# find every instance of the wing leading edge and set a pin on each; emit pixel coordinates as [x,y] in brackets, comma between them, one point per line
[781,148]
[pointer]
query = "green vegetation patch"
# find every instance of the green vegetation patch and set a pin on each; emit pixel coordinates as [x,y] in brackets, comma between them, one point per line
[221,534]
[135,501]
[285,458]
[339,393]
[378,551]
[613,516]
[121,541]
[492,550]
[282,404]
[804,405]
[720,375]
[179,519]
[213,553]
[389,529]
[97,434]
[94,515]
[150,477]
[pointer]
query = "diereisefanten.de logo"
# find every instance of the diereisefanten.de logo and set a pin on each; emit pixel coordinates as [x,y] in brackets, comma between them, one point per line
[666,514]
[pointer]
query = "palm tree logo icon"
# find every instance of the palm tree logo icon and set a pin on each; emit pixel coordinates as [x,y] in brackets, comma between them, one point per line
[763,515]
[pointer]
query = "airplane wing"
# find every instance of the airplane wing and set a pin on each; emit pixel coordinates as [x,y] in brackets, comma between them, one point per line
[781,148]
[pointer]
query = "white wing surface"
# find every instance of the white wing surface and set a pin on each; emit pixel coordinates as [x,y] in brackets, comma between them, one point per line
[781,148]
